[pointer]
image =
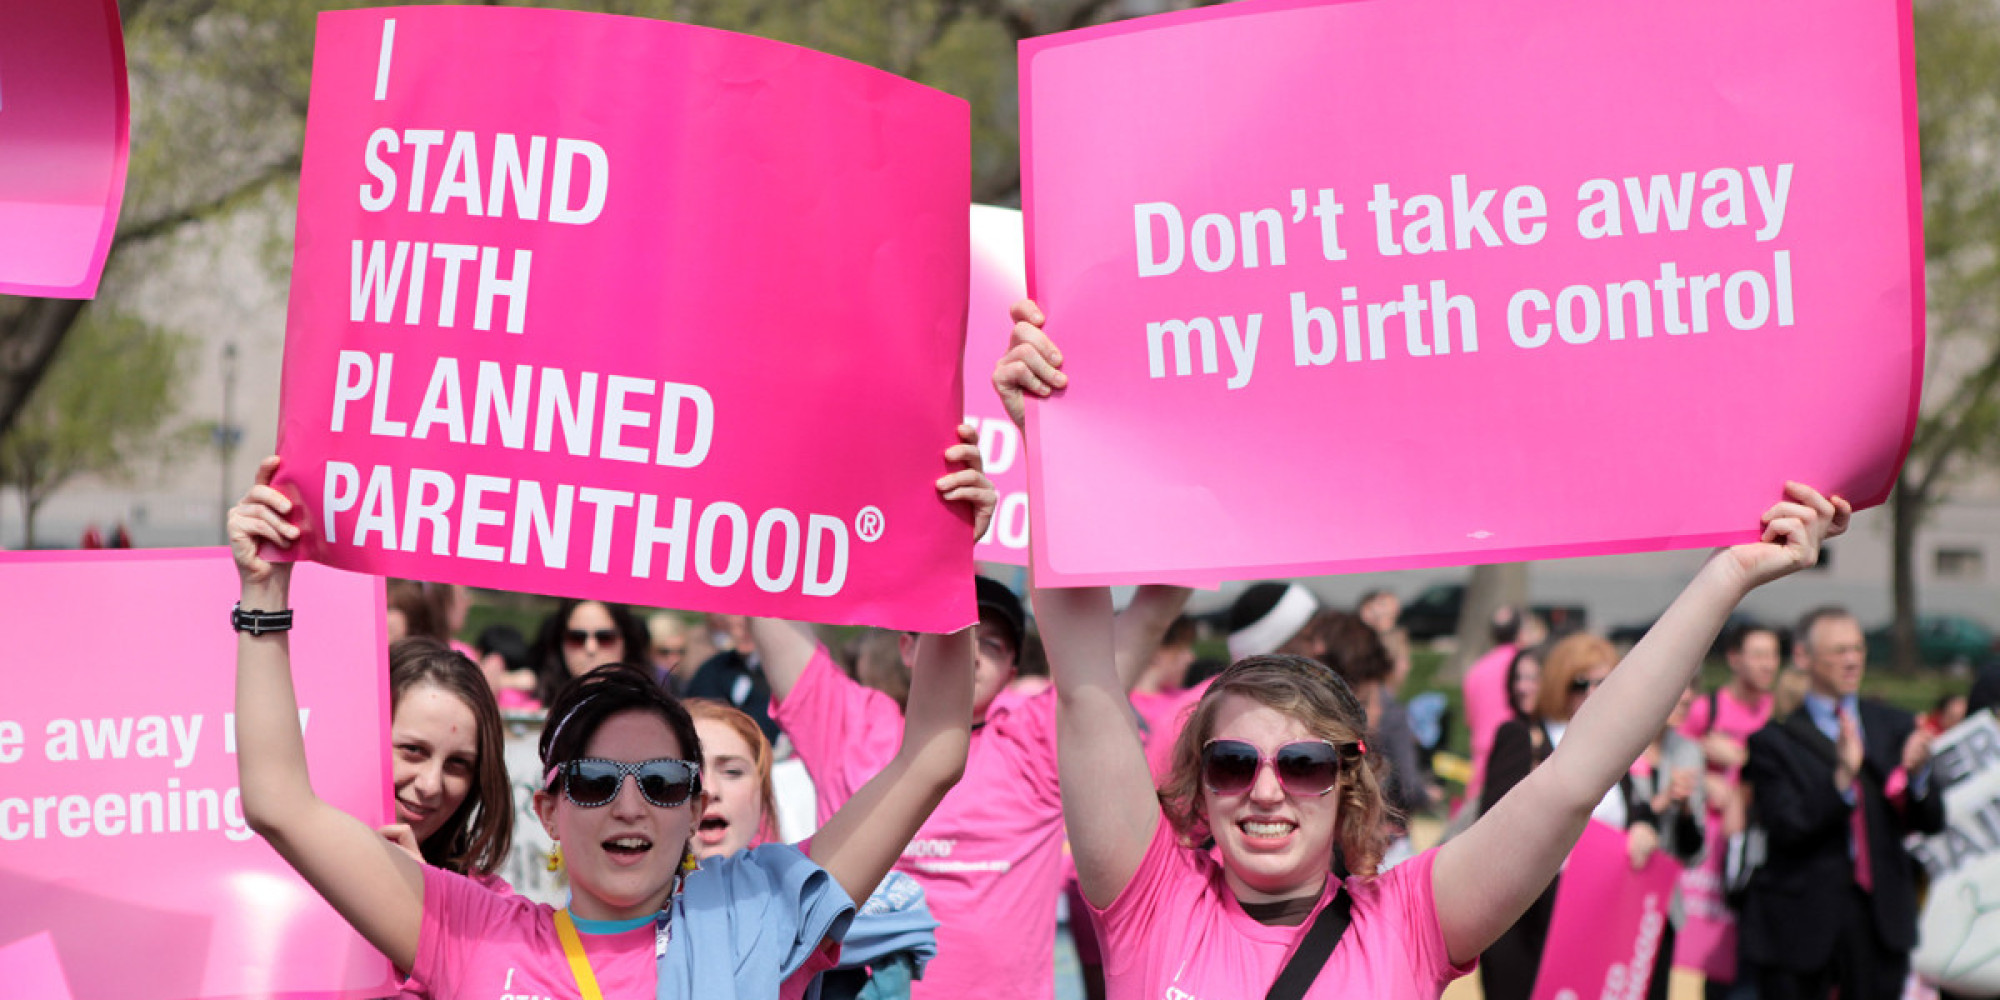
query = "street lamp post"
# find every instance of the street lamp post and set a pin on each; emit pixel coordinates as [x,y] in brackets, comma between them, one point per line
[227,434]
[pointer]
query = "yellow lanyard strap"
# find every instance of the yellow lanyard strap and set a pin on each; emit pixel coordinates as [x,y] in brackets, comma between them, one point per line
[579,963]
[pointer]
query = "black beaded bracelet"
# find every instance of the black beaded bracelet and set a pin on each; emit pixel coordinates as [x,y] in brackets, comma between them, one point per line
[259,622]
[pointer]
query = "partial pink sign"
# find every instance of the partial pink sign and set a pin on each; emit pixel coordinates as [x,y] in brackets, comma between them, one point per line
[64,140]
[1368,286]
[122,837]
[999,279]
[1608,920]
[618,308]
[29,969]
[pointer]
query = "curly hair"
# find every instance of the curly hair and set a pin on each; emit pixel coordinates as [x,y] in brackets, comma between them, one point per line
[1317,698]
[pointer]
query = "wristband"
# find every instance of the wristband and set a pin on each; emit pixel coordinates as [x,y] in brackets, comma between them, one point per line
[258,623]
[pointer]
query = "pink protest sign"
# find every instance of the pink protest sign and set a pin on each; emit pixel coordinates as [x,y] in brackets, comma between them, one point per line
[639,311]
[30,969]
[123,831]
[999,279]
[1608,920]
[1361,286]
[63,144]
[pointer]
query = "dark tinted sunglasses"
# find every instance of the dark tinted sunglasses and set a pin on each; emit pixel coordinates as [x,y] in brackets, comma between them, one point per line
[604,636]
[665,782]
[1581,684]
[1309,767]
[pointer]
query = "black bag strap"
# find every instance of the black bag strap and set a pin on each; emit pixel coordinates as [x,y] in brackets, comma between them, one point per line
[1314,949]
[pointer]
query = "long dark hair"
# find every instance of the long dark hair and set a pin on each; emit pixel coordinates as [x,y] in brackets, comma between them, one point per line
[553,673]
[475,839]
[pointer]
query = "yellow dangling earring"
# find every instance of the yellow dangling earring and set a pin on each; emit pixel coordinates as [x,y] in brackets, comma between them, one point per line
[689,863]
[555,858]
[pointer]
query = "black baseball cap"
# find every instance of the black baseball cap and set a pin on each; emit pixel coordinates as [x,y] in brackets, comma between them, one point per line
[998,605]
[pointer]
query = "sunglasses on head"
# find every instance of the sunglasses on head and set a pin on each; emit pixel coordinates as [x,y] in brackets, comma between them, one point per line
[604,636]
[665,782]
[1308,767]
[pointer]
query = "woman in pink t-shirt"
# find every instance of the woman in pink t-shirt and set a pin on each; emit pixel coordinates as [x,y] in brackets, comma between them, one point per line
[737,927]
[1271,769]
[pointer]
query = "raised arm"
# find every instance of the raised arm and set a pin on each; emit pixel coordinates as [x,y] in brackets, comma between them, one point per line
[861,840]
[1485,878]
[1139,628]
[373,884]
[1107,790]
[864,837]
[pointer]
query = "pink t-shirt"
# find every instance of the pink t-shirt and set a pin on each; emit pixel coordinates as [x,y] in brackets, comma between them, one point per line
[1733,719]
[989,858]
[1165,714]
[1177,933]
[476,943]
[1486,709]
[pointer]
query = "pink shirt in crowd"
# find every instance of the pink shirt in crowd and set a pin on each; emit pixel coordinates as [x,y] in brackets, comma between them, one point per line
[1486,709]
[1733,719]
[478,943]
[989,858]
[1165,714]
[1178,932]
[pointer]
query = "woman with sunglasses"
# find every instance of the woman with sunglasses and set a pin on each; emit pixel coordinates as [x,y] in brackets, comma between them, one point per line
[1271,766]
[642,920]
[580,636]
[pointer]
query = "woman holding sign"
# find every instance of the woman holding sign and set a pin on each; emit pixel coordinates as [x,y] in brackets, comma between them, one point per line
[643,920]
[1272,768]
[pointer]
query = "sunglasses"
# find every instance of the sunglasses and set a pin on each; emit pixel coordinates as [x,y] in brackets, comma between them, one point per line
[1309,767]
[1582,684]
[664,652]
[665,782]
[604,636]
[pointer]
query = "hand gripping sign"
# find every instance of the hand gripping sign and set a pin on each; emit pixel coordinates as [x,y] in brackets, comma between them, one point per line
[619,308]
[64,138]
[1396,283]
[123,844]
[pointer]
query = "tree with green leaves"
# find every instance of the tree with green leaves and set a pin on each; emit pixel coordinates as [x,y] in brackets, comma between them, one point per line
[103,409]
[1958,430]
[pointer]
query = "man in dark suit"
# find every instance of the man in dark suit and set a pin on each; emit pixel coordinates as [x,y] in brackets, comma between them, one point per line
[1836,785]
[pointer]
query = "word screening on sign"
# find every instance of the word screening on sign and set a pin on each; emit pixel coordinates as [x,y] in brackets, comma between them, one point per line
[386,272]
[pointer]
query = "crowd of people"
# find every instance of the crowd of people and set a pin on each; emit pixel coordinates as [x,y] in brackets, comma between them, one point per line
[1222,829]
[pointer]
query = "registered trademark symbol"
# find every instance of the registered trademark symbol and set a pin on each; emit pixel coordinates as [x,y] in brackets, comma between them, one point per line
[869,524]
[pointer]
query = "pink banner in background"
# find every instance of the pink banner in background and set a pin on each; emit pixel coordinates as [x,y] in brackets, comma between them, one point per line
[999,279]
[64,140]
[1377,285]
[1608,919]
[122,837]
[608,307]
[30,970]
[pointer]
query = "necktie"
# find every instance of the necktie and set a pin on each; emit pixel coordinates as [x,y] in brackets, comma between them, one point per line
[1864,870]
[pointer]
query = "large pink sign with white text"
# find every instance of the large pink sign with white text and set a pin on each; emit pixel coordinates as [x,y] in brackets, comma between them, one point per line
[1608,919]
[64,139]
[999,280]
[609,307]
[125,861]
[1394,283]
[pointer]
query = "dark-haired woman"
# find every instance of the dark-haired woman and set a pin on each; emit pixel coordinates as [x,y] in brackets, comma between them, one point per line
[579,636]
[1271,767]
[453,804]
[642,921]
